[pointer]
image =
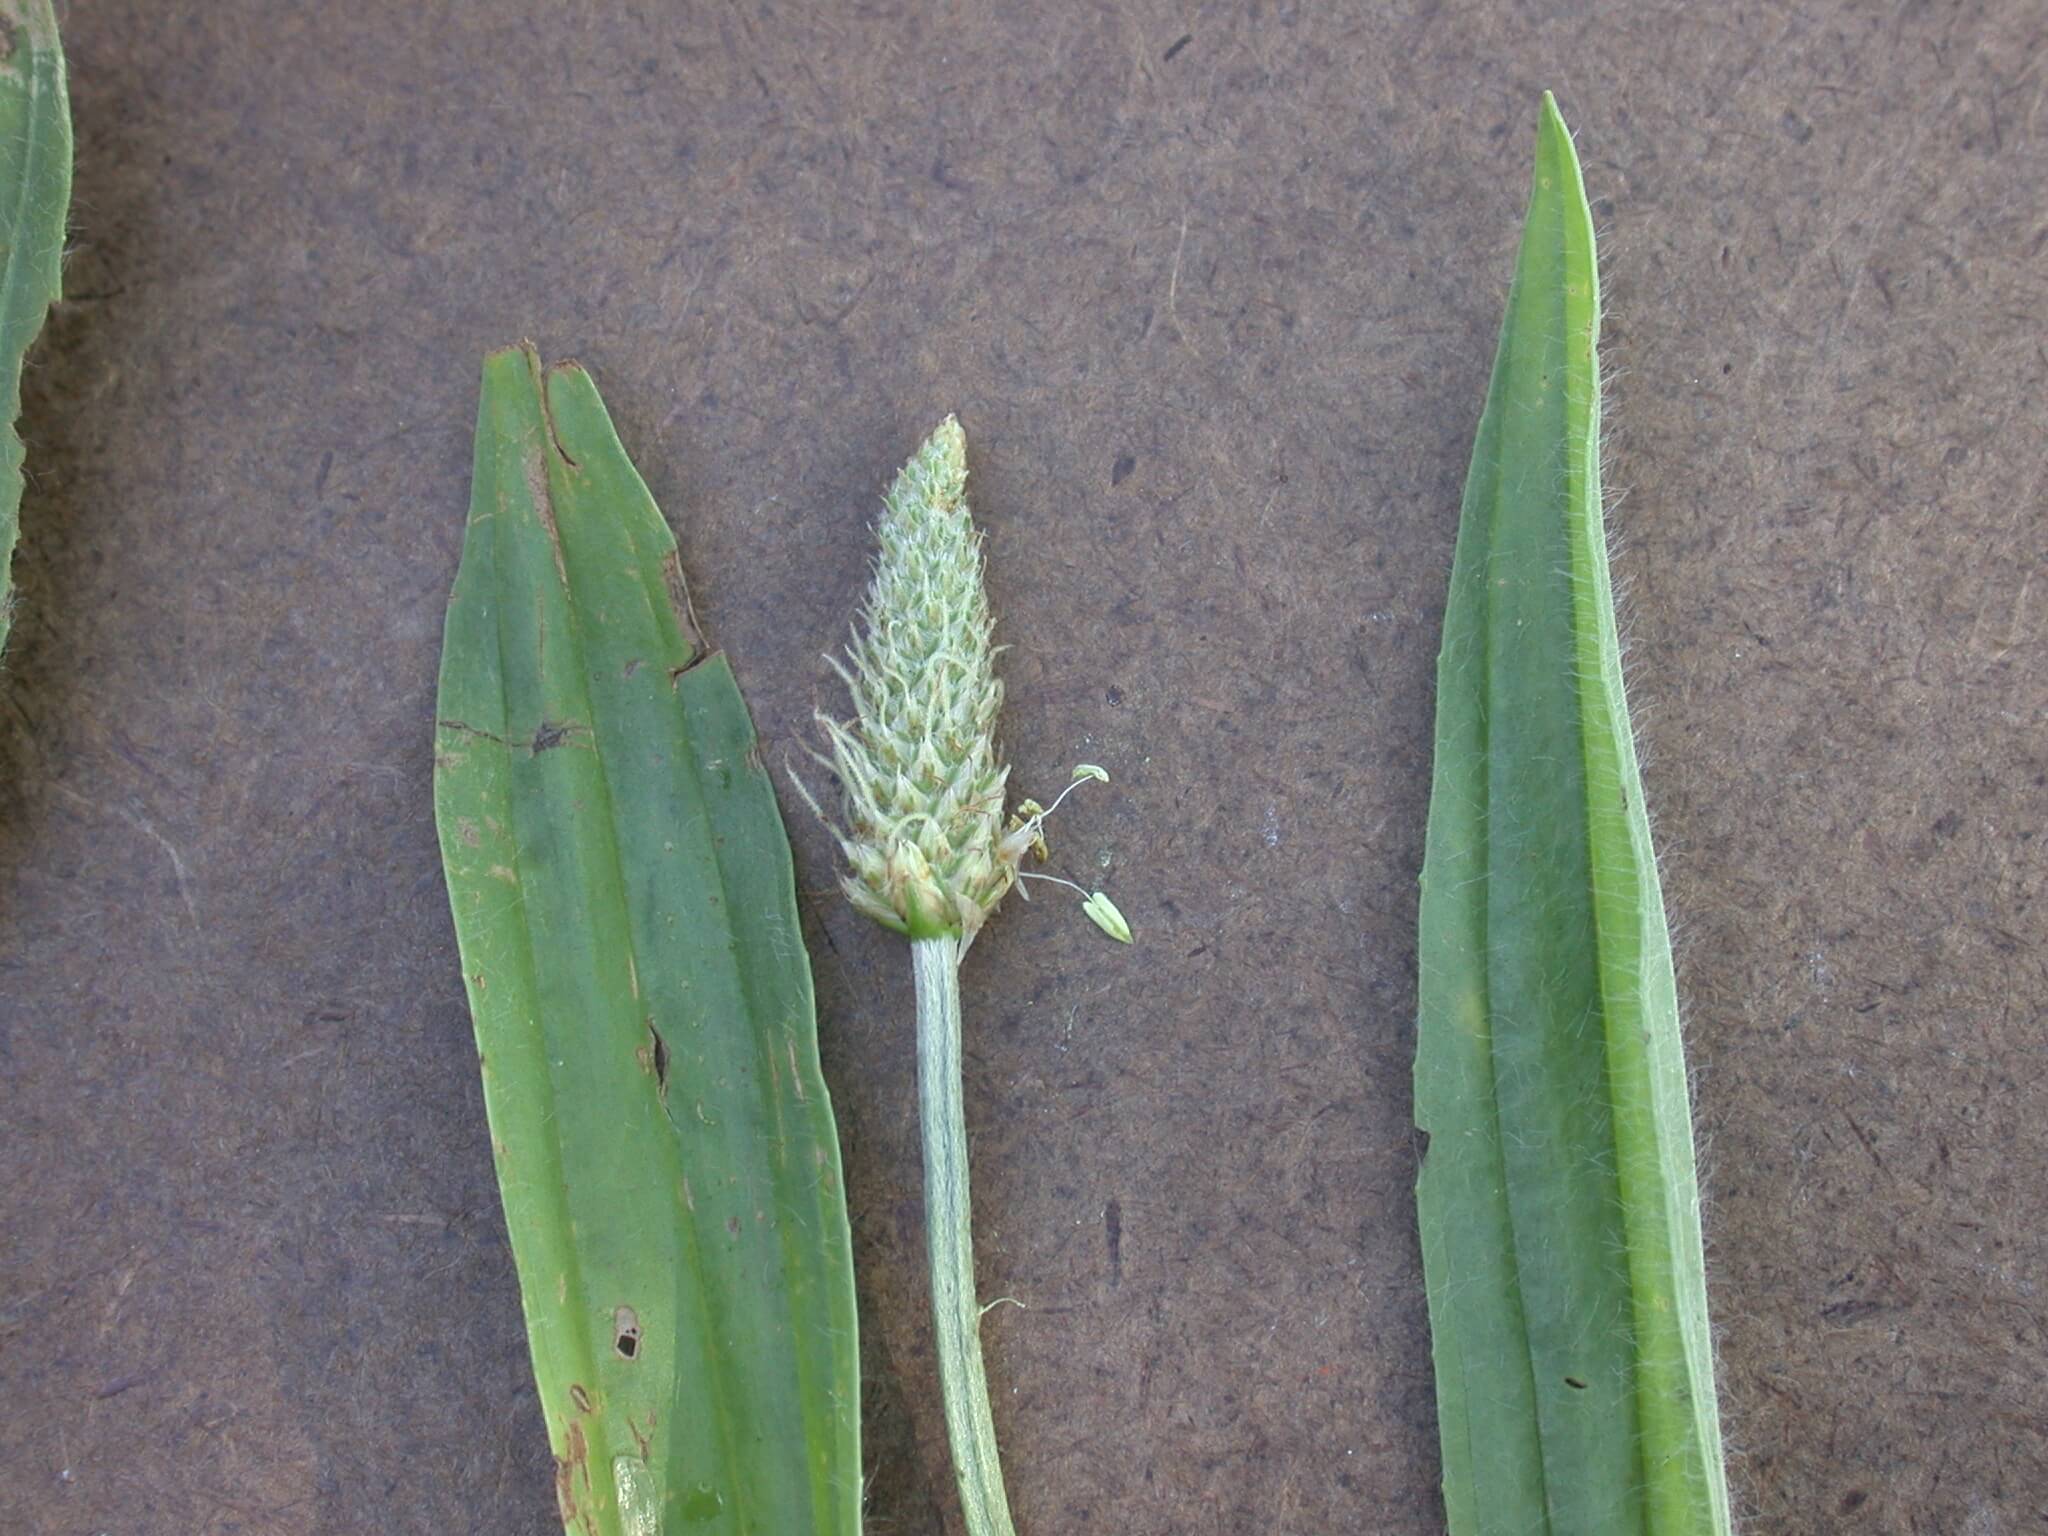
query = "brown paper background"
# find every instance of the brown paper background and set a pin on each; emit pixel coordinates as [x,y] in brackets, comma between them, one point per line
[1214,289]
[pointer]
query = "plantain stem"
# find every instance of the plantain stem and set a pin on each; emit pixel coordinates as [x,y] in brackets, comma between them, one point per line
[949,1241]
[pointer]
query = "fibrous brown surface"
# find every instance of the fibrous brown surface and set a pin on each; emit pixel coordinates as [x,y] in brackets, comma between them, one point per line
[1214,290]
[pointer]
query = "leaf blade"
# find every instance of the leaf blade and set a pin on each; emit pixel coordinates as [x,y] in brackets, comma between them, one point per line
[35,200]
[626,910]
[1575,1392]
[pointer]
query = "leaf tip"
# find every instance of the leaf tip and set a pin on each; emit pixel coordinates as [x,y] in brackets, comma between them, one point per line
[509,364]
[1553,136]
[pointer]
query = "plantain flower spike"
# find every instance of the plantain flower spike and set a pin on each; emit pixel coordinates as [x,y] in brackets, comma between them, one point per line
[923,785]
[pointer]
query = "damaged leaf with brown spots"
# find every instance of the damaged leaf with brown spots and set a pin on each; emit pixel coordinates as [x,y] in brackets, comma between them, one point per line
[626,914]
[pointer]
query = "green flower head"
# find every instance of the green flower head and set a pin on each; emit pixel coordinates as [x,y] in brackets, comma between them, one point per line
[923,787]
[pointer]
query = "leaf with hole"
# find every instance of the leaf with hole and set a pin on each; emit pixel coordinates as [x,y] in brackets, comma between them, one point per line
[626,914]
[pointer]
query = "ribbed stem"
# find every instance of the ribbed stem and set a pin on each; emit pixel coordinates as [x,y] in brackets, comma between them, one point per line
[949,1241]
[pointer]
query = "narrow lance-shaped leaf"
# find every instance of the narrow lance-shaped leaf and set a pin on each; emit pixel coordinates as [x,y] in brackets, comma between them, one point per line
[35,196]
[626,912]
[1558,1200]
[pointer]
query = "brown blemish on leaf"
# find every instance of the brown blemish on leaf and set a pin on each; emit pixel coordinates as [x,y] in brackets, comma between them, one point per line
[679,600]
[566,368]
[796,1078]
[548,735]
[625,1332]
[573,1468]
[653,1056]
[544,502]
[580,1396]
[656,1062]
[463,727]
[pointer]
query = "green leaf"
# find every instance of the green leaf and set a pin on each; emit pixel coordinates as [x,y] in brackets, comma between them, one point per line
[35,196]
[626,911]
[1558,1201]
